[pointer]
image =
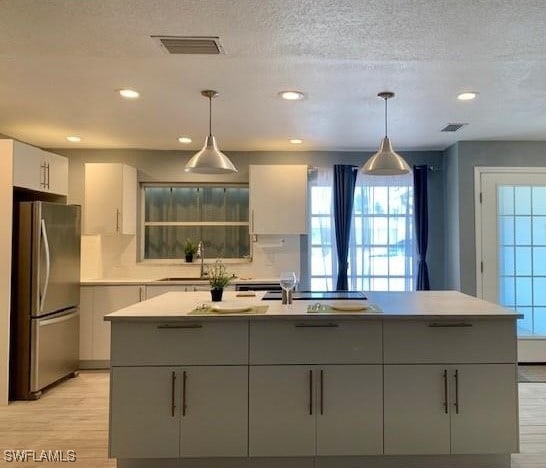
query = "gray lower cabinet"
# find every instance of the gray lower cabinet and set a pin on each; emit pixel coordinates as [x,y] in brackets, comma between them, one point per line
[450,409]
[143,424]
[281,411]
[171,412]
[302,410]
[349,410]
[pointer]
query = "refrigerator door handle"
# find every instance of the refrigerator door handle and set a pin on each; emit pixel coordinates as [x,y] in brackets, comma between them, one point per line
[47,265]
[54,320]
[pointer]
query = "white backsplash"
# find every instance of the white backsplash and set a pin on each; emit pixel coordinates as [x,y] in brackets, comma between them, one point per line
[114,257]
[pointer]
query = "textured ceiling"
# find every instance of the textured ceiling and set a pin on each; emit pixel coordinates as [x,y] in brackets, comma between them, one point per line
[62,60]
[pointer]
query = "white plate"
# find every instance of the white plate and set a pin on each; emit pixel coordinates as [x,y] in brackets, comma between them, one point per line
[230,307]
[349,306]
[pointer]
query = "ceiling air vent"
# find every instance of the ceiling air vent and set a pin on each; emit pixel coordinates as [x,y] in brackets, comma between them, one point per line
[190,44]
[453,127]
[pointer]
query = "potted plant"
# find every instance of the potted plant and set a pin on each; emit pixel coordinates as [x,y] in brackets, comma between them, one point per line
[189,250]
[219,278]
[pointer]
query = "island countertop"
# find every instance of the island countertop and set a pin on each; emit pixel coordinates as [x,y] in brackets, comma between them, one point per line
[174,306]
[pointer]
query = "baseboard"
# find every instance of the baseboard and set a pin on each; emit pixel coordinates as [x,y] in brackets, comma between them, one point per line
[387,461]
[88,364]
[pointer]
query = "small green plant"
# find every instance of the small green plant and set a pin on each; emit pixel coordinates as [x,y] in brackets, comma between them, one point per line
[219,278]
[189,247]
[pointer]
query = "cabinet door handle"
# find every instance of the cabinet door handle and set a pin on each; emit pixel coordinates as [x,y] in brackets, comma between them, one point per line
[321,391]
[184,386]
[173,384]
[167,326]
[445,392]
[47,173]
[43,175]
[449,325]
[117,220]
[317,325]
[456,375]
[311,392]
[141,293]
[252,222]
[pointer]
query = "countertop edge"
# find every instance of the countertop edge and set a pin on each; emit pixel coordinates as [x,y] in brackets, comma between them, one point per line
[345,315]
[156,282]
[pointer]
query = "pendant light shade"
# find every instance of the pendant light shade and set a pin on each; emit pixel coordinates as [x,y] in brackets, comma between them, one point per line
[386,161]
[210,160]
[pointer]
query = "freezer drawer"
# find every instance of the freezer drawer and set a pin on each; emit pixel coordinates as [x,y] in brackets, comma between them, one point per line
[55,348]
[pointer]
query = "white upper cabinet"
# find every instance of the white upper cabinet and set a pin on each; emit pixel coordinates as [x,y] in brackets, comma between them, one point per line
[39,170]
[110,199]
[278,199]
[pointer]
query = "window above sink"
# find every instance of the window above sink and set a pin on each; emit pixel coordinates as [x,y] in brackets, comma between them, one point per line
[212,213]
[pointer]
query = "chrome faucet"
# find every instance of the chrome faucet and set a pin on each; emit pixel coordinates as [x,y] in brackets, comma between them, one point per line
[201,255]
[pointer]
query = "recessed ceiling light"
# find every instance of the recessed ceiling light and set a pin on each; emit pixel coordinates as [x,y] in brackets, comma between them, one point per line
[184,140]
[129,93]
[74,139]
[292,95]
[467,96]
[295,141]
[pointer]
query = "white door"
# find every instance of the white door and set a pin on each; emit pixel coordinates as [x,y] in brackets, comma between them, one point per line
[145,414]
[483,409]
[416,406]
[349,407]
[511,246]
[214,411]
[281,411]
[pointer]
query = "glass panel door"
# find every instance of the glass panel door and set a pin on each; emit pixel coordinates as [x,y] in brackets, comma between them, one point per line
[513,229]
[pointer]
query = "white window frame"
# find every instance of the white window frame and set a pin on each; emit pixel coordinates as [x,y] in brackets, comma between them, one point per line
[411,278]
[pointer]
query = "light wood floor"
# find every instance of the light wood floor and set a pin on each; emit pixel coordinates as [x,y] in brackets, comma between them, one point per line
[74,416]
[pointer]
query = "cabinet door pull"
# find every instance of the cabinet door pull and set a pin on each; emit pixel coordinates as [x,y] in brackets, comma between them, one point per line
[311,392]
[456,375]
[317,325]
[184,384]
[43,175]
[167,326]
[47,174]
[117,220]
[173,384]
[445,392]
[141,293]
[449,325]
[321,391]
[252,222]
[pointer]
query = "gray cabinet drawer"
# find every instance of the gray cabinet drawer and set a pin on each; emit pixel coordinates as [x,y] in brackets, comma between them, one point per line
[449,341]
[180,343]
[315,342]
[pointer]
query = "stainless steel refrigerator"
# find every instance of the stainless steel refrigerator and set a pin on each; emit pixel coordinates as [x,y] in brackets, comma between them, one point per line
[45,297]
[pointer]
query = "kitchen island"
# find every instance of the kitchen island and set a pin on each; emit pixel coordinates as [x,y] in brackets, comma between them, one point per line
[416,379]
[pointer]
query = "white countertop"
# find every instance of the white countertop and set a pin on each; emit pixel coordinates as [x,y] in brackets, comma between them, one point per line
[387,305]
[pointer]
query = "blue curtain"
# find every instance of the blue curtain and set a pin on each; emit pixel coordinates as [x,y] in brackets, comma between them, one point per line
[421,224]
[344,189]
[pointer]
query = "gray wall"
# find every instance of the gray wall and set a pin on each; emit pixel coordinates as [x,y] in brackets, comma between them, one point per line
[155,165]
[468,155]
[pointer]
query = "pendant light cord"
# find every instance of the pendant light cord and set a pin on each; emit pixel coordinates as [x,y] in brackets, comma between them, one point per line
[210,116]
[385,117]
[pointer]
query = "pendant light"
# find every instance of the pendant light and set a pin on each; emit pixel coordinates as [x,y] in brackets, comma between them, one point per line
[210,160]
[386,161]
